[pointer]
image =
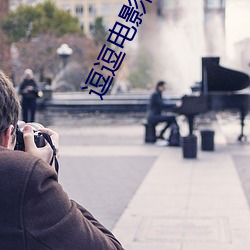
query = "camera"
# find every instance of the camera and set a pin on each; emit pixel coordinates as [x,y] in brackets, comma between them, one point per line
[38,137]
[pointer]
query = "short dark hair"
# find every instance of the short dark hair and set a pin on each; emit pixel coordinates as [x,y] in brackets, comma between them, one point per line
[159,84]
[9,104]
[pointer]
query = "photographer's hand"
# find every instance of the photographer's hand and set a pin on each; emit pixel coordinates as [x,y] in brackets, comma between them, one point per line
[45,153]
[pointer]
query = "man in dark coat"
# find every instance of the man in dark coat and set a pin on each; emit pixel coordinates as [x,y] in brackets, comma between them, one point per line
[155,107]
[29,91]
[35,212]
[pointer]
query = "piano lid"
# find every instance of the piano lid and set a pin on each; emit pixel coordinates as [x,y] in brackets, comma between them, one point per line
[218,78]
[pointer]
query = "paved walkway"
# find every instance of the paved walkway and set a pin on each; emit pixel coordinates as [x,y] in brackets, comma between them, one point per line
[178,204]
[185,204]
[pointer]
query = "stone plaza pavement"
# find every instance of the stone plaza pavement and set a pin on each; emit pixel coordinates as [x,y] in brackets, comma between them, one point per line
[177,203]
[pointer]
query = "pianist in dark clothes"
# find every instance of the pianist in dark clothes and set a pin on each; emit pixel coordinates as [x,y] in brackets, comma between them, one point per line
[155,107]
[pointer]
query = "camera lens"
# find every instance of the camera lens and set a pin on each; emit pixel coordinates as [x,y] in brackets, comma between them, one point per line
[35,125]
[38,137]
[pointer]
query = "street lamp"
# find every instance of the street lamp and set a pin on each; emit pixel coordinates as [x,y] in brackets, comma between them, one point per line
[64,51]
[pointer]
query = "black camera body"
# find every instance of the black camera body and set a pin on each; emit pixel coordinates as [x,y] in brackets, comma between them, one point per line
[38,138]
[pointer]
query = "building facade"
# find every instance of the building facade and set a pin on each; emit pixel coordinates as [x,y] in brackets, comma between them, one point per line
[85,10]
[13,4]
[177,33]
[88,10]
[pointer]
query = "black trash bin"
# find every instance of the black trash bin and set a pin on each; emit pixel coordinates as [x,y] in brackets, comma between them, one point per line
[189,146]
[150,133]
[207,140]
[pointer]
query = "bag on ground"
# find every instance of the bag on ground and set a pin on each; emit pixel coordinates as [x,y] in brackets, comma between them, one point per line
[174,136]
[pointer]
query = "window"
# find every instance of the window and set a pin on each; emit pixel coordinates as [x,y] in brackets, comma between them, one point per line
[67,8]
[91,27]
[105,9]
[79,10]
[92,10]
[81,26]
[214,4]
[118,7]
[170,5]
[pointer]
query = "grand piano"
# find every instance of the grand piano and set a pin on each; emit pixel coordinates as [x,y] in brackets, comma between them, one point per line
[220,89]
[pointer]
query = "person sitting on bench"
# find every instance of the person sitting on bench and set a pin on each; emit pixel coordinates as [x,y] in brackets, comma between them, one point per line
[155,107]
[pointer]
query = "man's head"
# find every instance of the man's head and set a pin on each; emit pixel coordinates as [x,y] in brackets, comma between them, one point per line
[28,74]
[161,86]
[9,112]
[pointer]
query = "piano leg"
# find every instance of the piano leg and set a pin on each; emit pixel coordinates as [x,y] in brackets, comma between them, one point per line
[243,114]
[190,123]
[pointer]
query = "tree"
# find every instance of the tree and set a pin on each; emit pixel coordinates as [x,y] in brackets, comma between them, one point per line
[5,63]
[40,55]
[141,73]
[99,32]
[42,18]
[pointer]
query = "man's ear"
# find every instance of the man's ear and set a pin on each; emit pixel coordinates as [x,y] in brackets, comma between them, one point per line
[7,139]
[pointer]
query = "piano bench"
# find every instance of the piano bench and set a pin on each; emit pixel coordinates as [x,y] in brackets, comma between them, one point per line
[150,132]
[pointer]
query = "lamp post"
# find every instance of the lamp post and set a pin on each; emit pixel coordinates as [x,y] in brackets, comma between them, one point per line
[64,51]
